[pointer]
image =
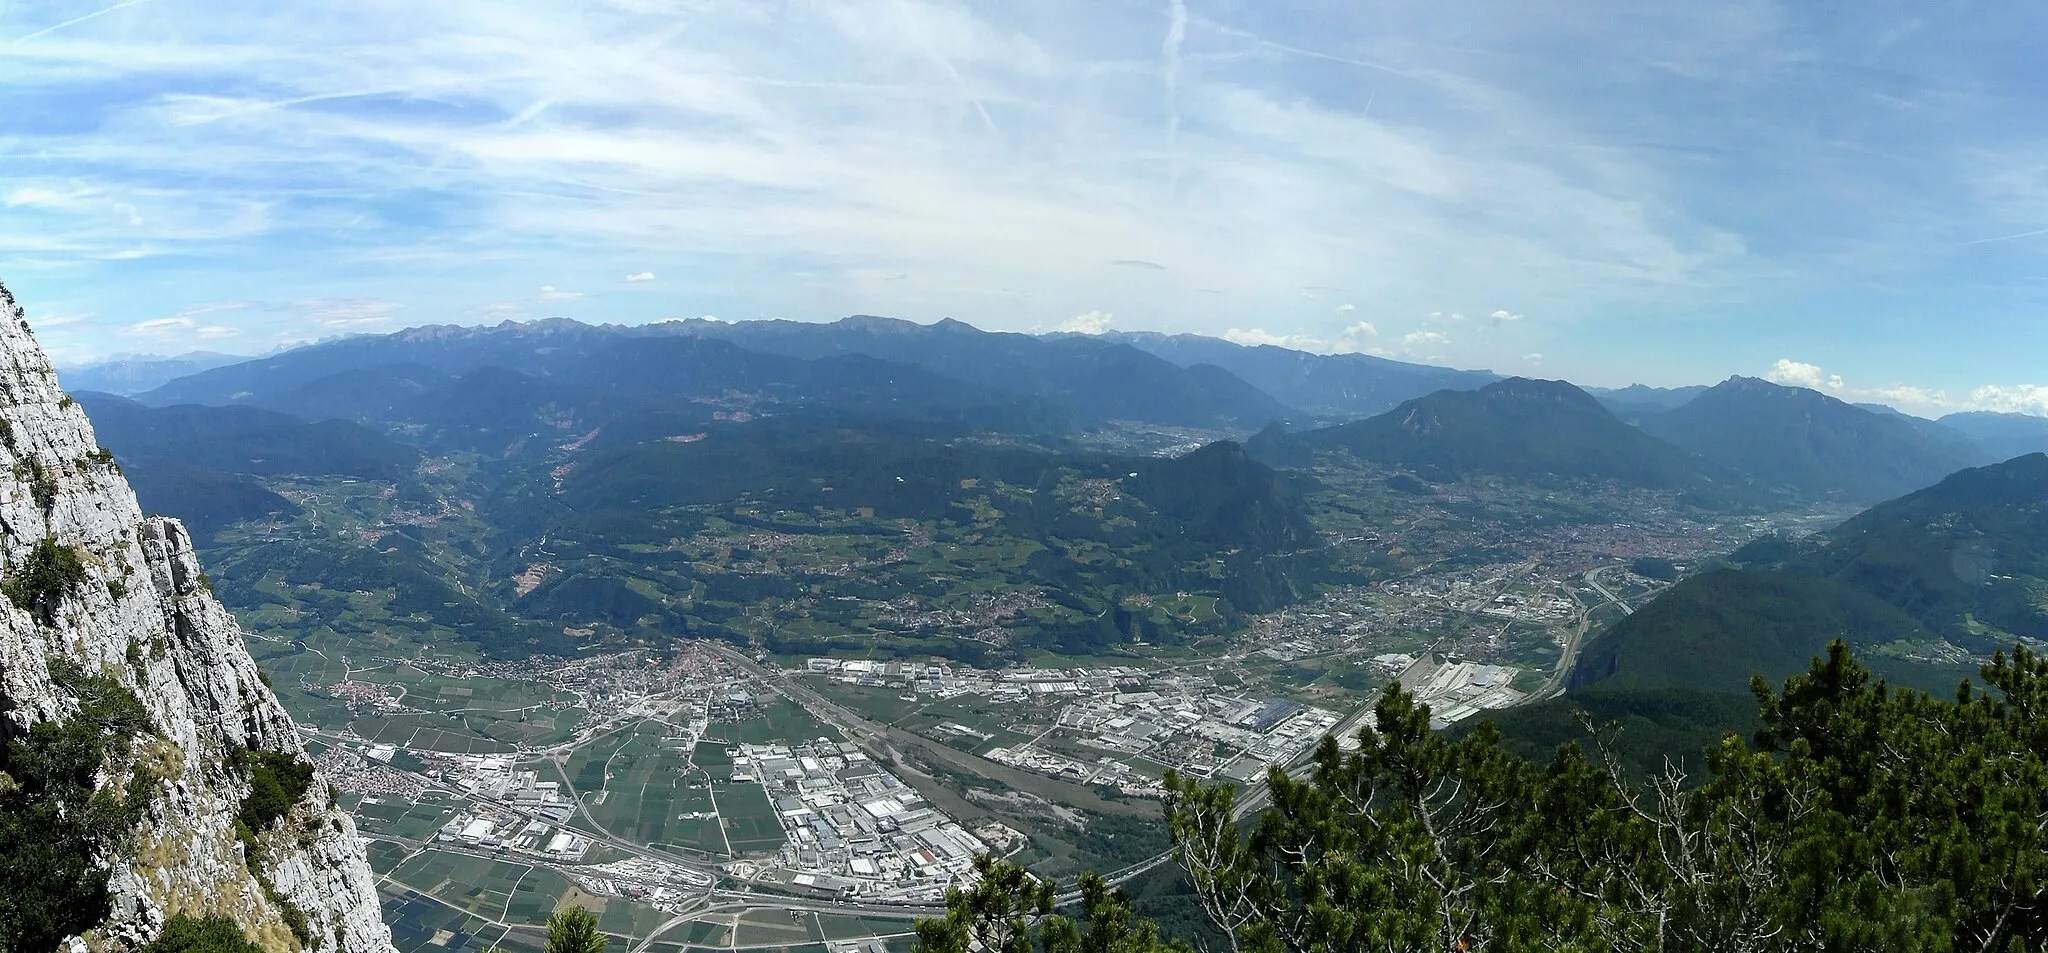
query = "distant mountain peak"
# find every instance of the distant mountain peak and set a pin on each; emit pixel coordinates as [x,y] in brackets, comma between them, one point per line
[1812,442]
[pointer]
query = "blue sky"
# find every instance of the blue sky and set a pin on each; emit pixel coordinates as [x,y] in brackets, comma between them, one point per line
[1851,196]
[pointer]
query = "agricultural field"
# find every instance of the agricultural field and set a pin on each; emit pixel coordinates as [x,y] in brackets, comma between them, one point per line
[419,924]
[478,886]
[399,817]
[651,790]
[337,682]
[779,720]
[749,819]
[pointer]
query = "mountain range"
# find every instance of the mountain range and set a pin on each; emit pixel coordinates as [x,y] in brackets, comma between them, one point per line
[1518,428]
[1814,444]
[133,375]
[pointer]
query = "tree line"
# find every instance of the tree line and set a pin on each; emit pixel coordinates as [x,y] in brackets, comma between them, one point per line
[1859,816]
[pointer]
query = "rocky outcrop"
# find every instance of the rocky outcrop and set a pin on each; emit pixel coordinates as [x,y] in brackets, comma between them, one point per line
[143,613]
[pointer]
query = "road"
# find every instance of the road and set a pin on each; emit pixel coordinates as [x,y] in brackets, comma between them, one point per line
[1593,579]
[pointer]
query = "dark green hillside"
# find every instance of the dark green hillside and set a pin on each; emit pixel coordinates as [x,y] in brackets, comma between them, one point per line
[244,440]
[1716,629]
[1652,723]
[1079,545]
[1963,562]
[1522,429]
[1226,499]
[390,586]
[362,394]
[1967,556]
[1808,441]
[201,464]
[206,500]
[1214,497]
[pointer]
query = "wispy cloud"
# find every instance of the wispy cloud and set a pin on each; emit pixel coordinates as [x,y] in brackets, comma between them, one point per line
[552,295]
[1607,172]
[640,276]
[356,314]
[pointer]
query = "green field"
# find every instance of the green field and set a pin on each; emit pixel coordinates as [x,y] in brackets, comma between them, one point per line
[474,714]
[399,817]
[421,925]
[478,886]
[650,789]
[535,896]
[749,817]
[780,720]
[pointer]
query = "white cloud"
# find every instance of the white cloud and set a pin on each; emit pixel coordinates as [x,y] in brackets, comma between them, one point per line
[1533,357]
[2011,398]
[1347,341]
[548,293]
[1094,322]
[639,276]
[1794,373]
[1504,316]
[1414,338]
[1255,337]
[1905,397]
[1345,308]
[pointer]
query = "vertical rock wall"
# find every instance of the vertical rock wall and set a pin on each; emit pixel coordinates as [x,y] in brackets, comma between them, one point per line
[145,615]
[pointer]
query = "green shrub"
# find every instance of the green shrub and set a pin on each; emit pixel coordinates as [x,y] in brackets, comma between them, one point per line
[42,484]
[51,573]
[277,781]
[54,821]
[210,934]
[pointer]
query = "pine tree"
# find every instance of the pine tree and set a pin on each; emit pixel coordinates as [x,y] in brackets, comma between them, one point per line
[1860,818]
[574,930]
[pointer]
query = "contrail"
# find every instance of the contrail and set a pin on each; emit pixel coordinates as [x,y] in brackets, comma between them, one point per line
[959,81]
[1169,51]
[2007,238]
[74,21]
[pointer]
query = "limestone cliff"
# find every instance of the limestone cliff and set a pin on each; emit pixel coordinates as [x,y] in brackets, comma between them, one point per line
[142,613]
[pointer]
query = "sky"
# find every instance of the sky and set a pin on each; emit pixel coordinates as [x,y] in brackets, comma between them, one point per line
[1848,196]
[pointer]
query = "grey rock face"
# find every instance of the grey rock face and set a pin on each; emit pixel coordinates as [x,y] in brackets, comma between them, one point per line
[146,616]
